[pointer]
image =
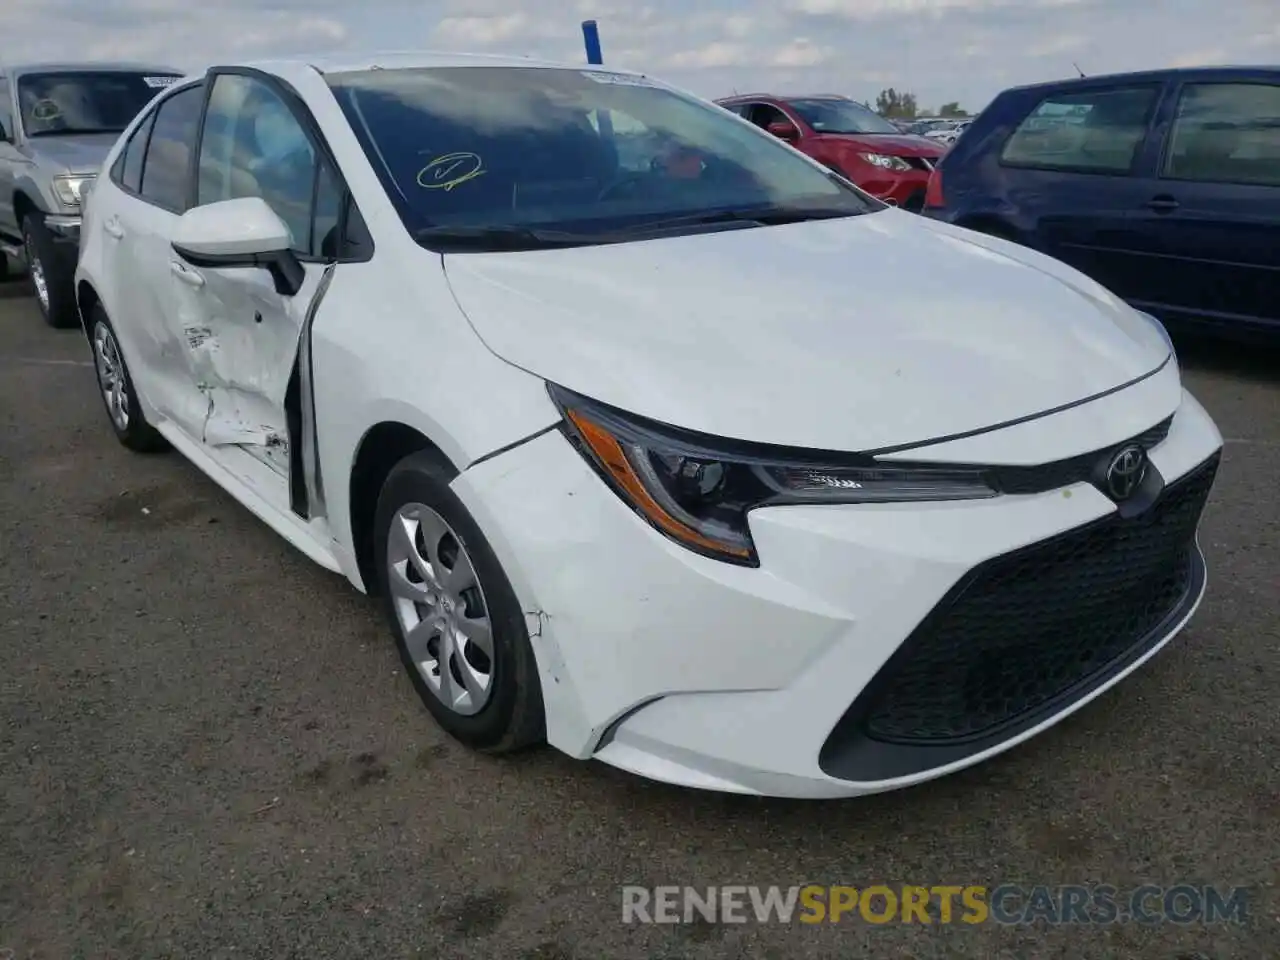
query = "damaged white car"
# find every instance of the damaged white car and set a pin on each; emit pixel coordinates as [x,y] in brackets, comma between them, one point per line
[659,441]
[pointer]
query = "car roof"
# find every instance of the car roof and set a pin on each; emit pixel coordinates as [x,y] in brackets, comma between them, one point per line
[783,97]
[1150,75]
[336,63]
[96,66]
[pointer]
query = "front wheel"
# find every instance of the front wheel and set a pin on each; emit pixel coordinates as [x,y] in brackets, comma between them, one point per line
[52,274]
[456,620]
[118,394]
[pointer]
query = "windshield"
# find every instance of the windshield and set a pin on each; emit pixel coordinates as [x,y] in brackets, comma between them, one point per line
[840,116]
[85,102]
[485,148]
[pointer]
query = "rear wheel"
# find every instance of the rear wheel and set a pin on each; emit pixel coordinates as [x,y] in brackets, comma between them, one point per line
[457,623]
[52,274]
[118,394]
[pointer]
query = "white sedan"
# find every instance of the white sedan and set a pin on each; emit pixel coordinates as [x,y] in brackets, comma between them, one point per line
[707,466]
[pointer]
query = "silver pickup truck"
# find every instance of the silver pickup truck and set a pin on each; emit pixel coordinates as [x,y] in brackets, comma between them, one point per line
[57,123]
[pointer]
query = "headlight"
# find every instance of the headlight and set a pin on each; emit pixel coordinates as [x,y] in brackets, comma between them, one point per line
[698,490]
[886,162]
[70,189]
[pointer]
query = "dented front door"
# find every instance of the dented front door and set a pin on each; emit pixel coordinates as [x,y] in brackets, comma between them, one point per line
[242,340]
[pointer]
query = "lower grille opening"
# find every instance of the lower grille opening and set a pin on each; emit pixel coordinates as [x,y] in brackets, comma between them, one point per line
[1029,632]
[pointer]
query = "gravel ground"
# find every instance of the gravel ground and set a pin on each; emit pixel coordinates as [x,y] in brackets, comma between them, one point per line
[209,751]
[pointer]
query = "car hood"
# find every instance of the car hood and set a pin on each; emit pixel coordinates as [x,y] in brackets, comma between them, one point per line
[855,334]
[894,145]
[72,153]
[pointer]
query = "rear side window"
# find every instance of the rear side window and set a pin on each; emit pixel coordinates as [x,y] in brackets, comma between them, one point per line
[1090,131]
[1226,133]
[166,168]
[127,170]
[763,114]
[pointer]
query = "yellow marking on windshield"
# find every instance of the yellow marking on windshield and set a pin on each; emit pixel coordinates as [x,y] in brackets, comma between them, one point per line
[46,109]
[450,170]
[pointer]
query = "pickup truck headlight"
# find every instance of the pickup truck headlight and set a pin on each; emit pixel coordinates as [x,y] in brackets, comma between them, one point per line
[698,491]
[885,162]
[69,189]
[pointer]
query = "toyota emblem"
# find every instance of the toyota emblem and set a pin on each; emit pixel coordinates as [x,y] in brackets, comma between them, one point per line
[1126,471]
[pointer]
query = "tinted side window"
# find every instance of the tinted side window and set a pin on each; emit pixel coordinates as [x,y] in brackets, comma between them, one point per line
[763,114]
[327,217]
[6,111]
[127,170]
[1226,133]
[167,162]
[254,146]
[1091,131]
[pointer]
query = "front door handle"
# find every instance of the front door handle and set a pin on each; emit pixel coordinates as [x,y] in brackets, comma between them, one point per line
[113,229]
[185,274]
[1163,204]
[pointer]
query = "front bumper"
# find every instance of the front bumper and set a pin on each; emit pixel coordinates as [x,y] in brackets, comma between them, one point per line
[695,672]
[904,189]
[65,228]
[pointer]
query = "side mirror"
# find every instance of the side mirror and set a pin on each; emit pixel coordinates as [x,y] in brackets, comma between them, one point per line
[244,232]
[784,131]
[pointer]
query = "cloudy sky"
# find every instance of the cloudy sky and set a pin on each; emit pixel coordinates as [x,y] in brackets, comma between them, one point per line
[964,50]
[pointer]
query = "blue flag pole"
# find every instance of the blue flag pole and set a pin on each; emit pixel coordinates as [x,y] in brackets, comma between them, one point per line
[591,38]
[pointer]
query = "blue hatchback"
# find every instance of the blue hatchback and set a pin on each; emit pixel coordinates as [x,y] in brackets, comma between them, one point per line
[1162,186]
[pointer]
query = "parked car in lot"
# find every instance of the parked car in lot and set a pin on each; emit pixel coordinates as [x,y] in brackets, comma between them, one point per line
[711,467]
[1162,186]
[849,138]
[57,122]
[948,133]
[921,126]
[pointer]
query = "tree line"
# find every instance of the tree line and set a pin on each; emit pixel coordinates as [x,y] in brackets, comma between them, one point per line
[902,105]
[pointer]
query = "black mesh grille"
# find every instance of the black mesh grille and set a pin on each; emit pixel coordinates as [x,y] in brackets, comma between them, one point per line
[1027,628]
[1063,473]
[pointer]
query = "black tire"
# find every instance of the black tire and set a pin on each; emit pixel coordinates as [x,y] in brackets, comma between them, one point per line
[136,434]
[57,269]
[512,718]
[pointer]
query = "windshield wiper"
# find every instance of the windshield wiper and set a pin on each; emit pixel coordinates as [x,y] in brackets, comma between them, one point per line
[499,238]
[763,216]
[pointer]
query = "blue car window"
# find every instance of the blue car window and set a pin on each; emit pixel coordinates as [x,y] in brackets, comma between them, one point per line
[1096,131]
[1226,133]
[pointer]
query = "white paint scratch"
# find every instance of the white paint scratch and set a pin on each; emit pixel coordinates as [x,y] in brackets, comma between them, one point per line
[39,362]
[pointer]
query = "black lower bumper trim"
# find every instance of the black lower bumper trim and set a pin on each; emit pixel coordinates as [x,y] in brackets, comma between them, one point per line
[1025,636]
[851,755]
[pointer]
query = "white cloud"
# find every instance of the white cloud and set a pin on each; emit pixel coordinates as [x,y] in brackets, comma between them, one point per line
[942,50]
[482,31]
[719,53]
[1199,58]
[880,9]
[800,52]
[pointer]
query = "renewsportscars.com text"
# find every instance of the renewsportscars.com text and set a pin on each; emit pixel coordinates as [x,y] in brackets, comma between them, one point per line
[939,904]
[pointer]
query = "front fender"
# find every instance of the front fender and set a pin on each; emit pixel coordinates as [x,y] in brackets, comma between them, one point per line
[37,188]
[408,356]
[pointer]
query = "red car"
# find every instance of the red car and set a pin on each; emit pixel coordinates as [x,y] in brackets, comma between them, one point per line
[850,139]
